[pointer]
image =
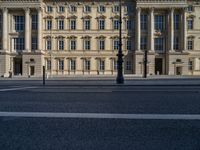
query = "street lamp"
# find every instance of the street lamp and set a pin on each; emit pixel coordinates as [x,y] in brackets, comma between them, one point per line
[120,78]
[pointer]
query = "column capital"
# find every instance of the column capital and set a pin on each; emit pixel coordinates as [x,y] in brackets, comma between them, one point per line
[5,9]
[27,9]
[151,9]
[39,9]
[138,9]
[171,9]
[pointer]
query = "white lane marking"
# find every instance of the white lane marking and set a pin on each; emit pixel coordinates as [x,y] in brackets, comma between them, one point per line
[102,115]
[15,89]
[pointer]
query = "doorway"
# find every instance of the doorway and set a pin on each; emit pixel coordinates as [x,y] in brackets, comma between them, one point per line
[178,70]
[17,63]
[32,70]
[158,66]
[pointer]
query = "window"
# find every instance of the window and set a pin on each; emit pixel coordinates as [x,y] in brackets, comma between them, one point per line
[102,9]
[190,65]
[61,65]
[190,24]
[1,22]
[116,24]
[87,24]
[1,44]
[73,44]
[116,8]
[144,22]
[61,9]
[101,44]
[61,24]
[159,45]
[87,9]
[159,22]
[116,44]
[176,21]
[128,65]
[19,44]
[73,8]
[87,44]
[128,45]
[176,43]
[87,65]
[190,44]
[49,25]
[19,23]
[60,44]
[72,65]
[143,43]
[48,64]
[49,9]
[34,43]
[48,44]
[190,8]
[114,64]
[101,24]
[34,22]
[101,65]
[129,24]
[73,24]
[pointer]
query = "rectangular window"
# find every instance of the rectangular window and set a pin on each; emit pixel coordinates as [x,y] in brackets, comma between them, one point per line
[101,24]
[48,44]
[114,63]
[61,9]
[72,65]
[73,8]
[129,24]
[143,45]
[72,44]
[87,44]
[128,45]
[176,21]
[34,43]
[144,19]
[101,65]
[87,24]
[116,24]
[102,8]
[128,65]
[19,23]
[73,24]
[60,24]
[190,44]
[190,24]
[159,45]
[87,8]
[116,44]
[87,65]
[61,44]
[190,65]
[101,44]
[49,25]
[49,9]
[190,8]
[18,44]
[61,65]
[1,22]
[116,8]
[159,22]
[34,22]
[176,43]
[48,64]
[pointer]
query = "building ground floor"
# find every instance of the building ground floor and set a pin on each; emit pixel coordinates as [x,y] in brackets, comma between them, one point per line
[31,64]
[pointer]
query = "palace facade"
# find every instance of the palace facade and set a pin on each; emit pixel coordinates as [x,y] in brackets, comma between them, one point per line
[77,37]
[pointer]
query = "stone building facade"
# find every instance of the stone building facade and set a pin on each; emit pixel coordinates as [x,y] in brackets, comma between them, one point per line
[81,37]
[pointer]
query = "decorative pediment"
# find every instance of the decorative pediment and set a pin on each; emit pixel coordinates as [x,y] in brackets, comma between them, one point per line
[72,37]
[115,37]
[72,17]
[60,17]
[48,17]
[101,37]
[47,37]
[86,17]
[191,16]
[101,17]
[86,37]
[115,17]
[60,37]
[191,37]
[158,33]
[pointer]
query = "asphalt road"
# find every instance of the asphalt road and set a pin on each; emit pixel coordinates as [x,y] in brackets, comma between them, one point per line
[149,97]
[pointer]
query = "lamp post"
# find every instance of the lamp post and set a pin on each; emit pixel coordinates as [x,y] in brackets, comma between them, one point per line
[120,78]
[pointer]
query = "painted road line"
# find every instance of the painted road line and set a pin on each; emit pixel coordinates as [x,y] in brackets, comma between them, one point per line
[15,89]
[102,116]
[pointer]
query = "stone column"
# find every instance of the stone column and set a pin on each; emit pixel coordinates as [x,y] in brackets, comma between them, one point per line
[138,30]
[39,29]
[184,31]
[151,30]
[171,30]
[27,29]
[5,29]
